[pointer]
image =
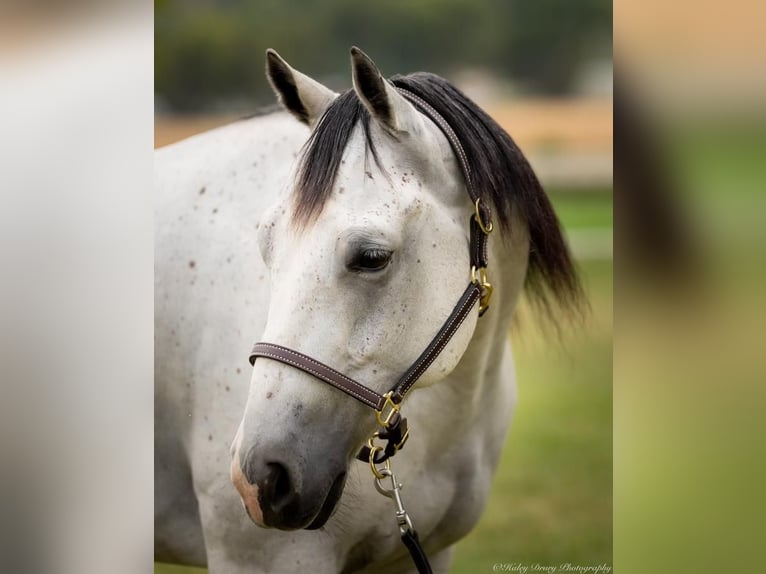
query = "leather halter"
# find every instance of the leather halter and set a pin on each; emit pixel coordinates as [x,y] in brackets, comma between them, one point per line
[478,290]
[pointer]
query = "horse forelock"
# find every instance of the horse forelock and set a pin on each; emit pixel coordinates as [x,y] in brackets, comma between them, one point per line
[499,171]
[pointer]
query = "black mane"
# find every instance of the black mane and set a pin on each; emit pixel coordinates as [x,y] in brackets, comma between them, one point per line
[499,172]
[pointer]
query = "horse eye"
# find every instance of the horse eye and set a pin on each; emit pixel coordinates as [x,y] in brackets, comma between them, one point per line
[370,260]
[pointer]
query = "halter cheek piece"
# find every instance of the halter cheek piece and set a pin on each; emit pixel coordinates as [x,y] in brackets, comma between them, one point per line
[393,426]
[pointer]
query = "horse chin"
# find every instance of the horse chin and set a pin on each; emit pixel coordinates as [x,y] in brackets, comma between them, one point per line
[330,504]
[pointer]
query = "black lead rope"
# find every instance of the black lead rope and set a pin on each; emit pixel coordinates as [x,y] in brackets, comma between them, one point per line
[412,542]
[406,530]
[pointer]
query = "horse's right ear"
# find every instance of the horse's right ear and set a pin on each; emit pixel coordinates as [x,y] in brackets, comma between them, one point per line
[303,97]
[381,98]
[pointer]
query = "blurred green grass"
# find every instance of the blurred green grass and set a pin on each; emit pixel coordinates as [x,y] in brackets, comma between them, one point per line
[583,209]
[551,499]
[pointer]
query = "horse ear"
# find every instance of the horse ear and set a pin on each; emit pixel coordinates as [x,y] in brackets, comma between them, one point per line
[302,96]
[380,97]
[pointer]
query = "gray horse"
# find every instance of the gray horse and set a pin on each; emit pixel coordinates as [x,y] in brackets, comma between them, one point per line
[339,229]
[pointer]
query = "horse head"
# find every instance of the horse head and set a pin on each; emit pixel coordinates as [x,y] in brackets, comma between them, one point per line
[367,255]
[364,264]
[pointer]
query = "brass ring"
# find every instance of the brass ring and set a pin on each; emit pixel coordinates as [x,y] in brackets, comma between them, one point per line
[386,464]
[487,229]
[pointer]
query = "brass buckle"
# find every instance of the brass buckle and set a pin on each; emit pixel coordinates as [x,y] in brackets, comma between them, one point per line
[479,277]
[487,229]
[384,420]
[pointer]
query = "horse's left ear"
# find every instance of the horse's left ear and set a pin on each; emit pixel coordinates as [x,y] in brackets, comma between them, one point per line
[380,97]
[302,96]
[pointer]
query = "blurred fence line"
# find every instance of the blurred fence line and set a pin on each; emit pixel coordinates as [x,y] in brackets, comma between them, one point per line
[568,141]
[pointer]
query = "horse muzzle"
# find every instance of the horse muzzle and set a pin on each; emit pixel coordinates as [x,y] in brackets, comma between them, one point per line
[283,495]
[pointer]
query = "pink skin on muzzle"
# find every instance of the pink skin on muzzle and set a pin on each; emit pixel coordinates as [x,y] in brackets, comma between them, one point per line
[247,492]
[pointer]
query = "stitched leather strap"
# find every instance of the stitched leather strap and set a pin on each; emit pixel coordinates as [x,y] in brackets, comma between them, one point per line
[479,257]
[449,328]
[427,110]
[318,370]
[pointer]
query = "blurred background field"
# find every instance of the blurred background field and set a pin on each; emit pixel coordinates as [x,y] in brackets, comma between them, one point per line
[542,69]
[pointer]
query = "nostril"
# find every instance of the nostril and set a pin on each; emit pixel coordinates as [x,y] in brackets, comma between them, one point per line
[277,487]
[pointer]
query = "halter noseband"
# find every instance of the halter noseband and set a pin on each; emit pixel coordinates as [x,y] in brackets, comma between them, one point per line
[394,426]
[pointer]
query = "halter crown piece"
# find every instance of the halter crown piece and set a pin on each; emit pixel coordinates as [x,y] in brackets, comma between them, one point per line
[394,428]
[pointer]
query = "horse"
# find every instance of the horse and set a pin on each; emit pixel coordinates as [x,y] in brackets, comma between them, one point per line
[338,227]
